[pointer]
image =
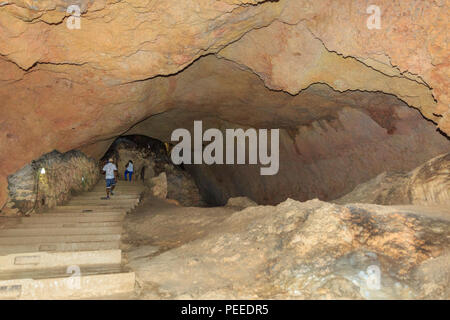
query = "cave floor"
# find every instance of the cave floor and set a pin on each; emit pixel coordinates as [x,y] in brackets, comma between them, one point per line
[163,237]
[166,225]
[259,252]
[157,226]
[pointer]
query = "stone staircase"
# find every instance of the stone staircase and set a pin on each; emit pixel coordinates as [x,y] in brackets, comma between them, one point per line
[70,252]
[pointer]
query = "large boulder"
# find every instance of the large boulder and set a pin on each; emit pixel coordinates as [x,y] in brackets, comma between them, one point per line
[158,186]
[309,250]
[241,202]
[428,184]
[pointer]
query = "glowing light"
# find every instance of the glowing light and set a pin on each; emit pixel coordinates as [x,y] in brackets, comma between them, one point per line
[43,171]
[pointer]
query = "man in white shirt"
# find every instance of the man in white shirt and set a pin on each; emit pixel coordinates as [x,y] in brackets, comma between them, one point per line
[129,170]
[110,172]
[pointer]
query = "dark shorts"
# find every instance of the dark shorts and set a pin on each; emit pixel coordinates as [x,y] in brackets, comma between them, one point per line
[110,183]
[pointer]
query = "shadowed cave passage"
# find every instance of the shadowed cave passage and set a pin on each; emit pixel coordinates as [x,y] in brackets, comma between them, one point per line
[325,159]
[329,141]
[153,168]
[138,148]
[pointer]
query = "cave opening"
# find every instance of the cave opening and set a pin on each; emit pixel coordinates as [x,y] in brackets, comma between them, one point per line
[329,141]
[146,147]
[152,165]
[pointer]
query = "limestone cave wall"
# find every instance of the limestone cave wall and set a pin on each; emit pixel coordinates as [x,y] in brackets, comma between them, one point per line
[49,181]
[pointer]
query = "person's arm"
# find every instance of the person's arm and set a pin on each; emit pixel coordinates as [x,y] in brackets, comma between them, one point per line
[116,173]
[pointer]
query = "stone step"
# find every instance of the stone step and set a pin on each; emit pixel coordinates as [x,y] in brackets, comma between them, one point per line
[58,247]
[102,202]
[95,211]
[124,186]
[126,207]
[120,184]
[98,195]
[101,198]
[73,218]
[63,283]
[26,232]
[58,238]
[101,182]
[46,260]
[59,272]
[119,189]
[116,192]
[81,208]
[84,213]
[53,224]
[99,204]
